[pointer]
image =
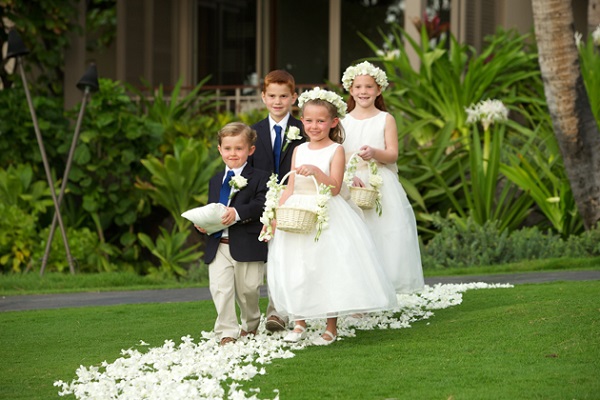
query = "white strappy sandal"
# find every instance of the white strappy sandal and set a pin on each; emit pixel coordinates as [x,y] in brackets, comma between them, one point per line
[321,341]
[294,336]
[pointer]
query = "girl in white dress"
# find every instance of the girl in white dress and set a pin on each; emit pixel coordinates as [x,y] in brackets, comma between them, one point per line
[371,132]
[340,273]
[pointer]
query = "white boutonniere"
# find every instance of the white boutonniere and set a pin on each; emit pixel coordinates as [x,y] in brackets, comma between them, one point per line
[292,133]
[237,183]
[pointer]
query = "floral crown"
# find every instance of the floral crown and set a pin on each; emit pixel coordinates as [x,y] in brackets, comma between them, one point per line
[364,68]
[321,94]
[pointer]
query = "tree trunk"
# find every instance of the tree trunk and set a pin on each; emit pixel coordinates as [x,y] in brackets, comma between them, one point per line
[574,125]
[593,15]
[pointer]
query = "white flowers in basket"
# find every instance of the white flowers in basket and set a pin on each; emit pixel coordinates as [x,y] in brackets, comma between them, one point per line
[292,133]
[272,203]
[237,183]
[375,179]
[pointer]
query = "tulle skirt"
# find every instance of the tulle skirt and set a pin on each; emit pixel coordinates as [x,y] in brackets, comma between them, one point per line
[395,234]
[339,274]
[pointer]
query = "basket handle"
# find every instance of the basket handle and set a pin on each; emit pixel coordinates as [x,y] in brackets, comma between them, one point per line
[352,156]
[293,172]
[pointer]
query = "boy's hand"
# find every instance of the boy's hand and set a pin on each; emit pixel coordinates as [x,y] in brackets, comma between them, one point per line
[202,230]
[228,216]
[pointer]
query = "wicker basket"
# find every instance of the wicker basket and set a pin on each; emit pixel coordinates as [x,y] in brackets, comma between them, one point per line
[296,220]
[363,197]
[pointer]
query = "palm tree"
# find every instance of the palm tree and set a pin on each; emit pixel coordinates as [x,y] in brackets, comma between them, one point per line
[593,15]
[574,125]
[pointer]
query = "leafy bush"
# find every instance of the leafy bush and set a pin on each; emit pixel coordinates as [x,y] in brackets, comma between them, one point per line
[17,238]
[88,252]
[18,142]
[462,243]
[172,252]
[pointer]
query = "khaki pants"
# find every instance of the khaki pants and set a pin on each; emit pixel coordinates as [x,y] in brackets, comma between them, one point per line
[231,282]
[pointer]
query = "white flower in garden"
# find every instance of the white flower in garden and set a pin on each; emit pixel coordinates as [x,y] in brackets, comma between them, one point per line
[487,112]
[578,39]
[596,36]
[389,55]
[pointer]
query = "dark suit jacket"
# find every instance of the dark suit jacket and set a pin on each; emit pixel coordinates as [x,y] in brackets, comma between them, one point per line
[249,203]
[263,155]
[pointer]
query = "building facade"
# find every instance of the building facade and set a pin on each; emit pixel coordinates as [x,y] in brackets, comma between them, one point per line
[236,42]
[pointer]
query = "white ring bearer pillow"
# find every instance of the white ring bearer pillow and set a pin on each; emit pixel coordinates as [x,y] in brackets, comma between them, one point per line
[207,217]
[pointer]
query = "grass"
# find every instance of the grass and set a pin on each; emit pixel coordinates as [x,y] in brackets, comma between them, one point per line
[14,284]
[531,341]
[18,284]
[550,264]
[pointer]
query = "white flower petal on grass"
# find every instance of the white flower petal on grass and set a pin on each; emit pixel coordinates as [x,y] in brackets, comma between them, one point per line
[205,370]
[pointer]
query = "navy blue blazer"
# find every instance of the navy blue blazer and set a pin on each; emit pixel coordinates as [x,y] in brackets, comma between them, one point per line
[249,203]
[263,155]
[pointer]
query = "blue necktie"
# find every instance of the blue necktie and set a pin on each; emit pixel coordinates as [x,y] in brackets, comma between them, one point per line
[277,148]
[224,195]
[226,188]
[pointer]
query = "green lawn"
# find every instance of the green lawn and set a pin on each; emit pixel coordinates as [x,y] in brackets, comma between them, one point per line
[531,341]
[32,283]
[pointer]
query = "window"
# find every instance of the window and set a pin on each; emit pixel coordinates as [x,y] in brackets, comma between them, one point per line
[226,41]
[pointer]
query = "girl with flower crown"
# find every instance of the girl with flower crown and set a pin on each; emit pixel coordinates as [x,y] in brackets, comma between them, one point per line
[371,132]
[340,273]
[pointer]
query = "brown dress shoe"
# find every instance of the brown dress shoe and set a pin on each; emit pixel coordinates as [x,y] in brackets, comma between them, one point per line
[244,333]
[226,340]
[275,324]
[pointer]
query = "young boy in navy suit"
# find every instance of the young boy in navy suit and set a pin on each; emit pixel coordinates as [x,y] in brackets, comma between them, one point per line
[234,256]
[273,147]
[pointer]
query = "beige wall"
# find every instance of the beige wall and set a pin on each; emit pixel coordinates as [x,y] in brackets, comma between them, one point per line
[515,14]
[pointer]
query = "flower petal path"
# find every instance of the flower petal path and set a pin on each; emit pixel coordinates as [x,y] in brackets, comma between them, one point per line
[205,370]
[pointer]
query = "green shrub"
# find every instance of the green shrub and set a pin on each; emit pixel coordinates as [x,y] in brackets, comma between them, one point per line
[88,252]
[17,238]
[462,243]
[18,142]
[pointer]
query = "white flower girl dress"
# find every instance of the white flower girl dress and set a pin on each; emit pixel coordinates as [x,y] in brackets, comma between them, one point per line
[395,231]
[337,275]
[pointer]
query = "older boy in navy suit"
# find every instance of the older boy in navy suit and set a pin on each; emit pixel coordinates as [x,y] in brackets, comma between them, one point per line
[273,149]
[234,256]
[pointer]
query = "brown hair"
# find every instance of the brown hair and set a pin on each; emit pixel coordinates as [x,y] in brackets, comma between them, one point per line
[336,133]
[281,77]
[379,103]
[236,129]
